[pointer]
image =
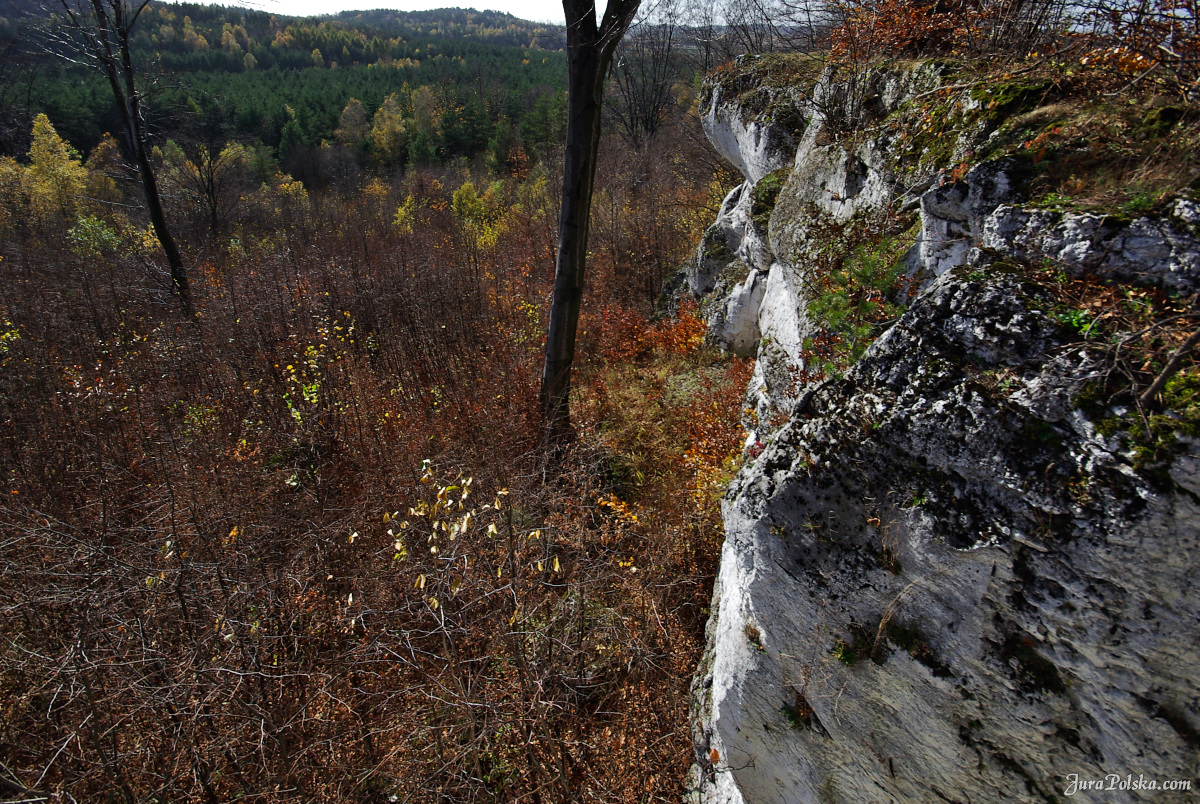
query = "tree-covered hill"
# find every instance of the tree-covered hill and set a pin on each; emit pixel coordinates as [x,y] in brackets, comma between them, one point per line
[232,73]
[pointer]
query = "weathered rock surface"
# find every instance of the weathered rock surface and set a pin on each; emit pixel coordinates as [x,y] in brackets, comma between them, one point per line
[824,183]
[732,237]
[1018,604]
[1160,252]
[755,147]
[939,582]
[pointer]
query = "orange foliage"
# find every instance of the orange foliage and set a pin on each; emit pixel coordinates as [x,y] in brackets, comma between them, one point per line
[682,334]
[874,28]
[625,335]
[1159,38]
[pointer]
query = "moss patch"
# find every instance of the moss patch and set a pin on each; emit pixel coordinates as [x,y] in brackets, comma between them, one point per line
[1154,439]
[1005,99]
[765,194]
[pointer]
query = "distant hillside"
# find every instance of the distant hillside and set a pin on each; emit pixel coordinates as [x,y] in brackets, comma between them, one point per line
[191,36]
[246,74]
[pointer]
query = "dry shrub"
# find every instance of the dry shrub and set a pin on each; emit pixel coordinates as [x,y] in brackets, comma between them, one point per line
[1156,41]
[667,413]
[1151,41]
[201,598]
[871,29]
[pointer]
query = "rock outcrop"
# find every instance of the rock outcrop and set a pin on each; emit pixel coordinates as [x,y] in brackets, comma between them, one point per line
[941,580]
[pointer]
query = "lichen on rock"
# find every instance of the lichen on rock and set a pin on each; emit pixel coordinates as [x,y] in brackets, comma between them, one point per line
[949,575]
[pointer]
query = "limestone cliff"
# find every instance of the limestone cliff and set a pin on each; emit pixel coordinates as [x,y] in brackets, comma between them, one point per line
[950,573]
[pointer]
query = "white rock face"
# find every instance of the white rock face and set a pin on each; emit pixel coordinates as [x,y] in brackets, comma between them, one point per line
[935,587]
[754,148]
[836,182]
[953,218]
[737,327]
[733,236]
[1161,252]
[784,327]
[920,598]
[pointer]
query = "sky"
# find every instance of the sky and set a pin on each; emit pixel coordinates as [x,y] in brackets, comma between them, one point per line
[535,10]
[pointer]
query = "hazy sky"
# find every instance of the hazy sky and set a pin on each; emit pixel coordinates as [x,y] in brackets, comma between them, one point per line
[536,10]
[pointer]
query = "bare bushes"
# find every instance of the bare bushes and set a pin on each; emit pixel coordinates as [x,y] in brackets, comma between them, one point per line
[869,29]
[1152,41]
[300,548]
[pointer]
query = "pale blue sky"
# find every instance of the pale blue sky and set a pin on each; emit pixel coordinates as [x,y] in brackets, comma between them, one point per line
[535,10]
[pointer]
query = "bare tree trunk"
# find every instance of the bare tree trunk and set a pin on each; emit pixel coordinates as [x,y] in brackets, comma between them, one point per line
[589,55]
[158,218]
[107,37]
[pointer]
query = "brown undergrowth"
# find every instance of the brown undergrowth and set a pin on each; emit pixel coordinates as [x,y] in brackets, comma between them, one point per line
[304,547]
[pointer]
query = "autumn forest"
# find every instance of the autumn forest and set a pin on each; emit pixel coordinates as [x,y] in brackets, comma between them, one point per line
[304,542]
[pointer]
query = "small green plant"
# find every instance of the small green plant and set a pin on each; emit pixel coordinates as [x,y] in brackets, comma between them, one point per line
[1056,201]
[798,713]
[1073,318]
[862,645]
[764,195]
[851,303]
[92,238]
[845,653]
[9,334]
[1139,203]
[303,378]
[199,417]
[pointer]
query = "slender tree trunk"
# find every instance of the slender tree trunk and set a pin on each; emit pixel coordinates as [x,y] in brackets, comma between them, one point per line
[589,54]
[579,171]
[158,219]
[111,51]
